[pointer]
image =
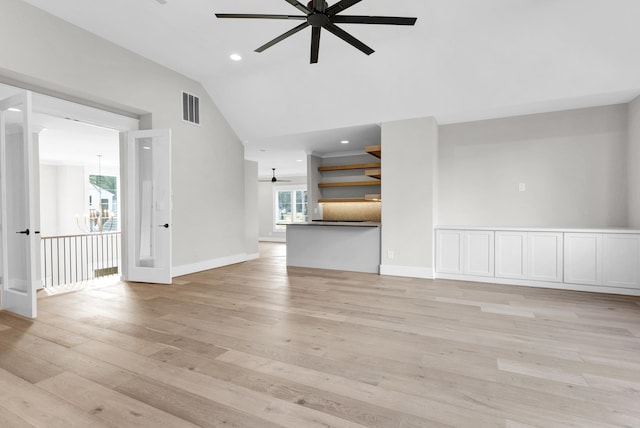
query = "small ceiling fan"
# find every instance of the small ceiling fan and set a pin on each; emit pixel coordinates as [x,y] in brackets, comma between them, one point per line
[318,15]
[274,179]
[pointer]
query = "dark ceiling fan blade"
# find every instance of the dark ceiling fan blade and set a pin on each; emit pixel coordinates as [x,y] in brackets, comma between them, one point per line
[383,20]
[259,16]
[282,37]
[348,38]
[315,44]
[299,6]
[340,6]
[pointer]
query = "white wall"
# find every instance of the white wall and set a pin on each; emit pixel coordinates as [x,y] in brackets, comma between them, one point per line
[208,160]
[71,194]
[573,164]
[409,188]
[49,200]
[251,207]
[633,163]
[63,197]
[266,208]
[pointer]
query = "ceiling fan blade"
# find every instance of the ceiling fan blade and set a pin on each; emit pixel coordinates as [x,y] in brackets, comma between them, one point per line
[340,6]
[282,37]
[259,16]
[348,38]
[299,6]
[383,20]
[315,44]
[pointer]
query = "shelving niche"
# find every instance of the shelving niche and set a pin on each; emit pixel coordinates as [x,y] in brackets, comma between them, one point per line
[359,181]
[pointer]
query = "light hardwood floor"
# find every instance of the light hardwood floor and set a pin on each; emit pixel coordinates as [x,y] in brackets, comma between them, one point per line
[257,345]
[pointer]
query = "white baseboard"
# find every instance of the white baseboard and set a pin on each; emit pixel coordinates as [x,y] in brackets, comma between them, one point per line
[407,271]
[540,284]
[271,239]
[253,256]
[211,264]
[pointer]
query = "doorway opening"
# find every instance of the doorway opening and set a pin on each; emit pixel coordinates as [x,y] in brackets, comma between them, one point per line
[80,199]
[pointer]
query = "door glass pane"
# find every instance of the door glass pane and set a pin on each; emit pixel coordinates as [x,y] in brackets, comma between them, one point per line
[145,213]
[17,215]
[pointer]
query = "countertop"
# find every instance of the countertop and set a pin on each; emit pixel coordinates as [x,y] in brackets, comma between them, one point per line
[621,230]
[339,223]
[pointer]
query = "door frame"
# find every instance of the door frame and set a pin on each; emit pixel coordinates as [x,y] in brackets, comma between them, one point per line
[21,302]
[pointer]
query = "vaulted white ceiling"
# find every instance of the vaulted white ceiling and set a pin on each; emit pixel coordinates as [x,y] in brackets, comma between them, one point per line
[464,59]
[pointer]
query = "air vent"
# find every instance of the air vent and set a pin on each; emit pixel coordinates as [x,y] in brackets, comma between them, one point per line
[190,108]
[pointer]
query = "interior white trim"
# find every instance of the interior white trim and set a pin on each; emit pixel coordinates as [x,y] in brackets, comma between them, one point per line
[212,264]
[407,271]
[83,113]
[271,239]
[541,284]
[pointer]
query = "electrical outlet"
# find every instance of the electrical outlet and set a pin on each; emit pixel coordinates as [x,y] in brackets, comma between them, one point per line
[522,187]
[390,254]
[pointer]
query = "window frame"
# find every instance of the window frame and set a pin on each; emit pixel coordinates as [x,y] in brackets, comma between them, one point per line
[287,188]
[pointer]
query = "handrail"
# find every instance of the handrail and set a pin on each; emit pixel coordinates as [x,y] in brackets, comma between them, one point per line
[84,234]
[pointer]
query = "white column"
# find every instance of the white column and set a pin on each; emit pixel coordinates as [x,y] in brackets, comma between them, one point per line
[409,197]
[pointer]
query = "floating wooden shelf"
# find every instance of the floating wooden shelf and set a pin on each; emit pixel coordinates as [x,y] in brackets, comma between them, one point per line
[374,150]
[373,173]
[350,183]
[346,200]
[347,167]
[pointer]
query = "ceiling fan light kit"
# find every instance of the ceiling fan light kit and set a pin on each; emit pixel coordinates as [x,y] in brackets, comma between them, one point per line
[318,15]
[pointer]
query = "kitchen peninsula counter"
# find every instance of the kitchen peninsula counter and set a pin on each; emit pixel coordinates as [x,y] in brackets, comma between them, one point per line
[338,245]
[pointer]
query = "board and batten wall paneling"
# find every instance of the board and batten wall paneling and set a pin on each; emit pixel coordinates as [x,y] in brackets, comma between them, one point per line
[409,188]
[573,164]
[208,160]
[633,164]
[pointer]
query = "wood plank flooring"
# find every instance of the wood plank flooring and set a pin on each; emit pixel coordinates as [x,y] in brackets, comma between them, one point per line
[260,345]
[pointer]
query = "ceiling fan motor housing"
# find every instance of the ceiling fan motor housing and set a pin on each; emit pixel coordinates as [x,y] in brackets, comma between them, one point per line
[318,19]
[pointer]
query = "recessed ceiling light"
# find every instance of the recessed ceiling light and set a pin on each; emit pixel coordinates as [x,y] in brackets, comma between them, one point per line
[235,57]
[344,141]
[299,160]
[14,109]
[263,150]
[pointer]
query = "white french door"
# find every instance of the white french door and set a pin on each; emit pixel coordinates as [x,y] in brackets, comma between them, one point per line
[19,236]
[147,227]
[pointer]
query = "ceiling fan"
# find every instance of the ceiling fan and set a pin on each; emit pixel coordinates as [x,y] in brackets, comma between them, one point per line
[274,179]
[318,15]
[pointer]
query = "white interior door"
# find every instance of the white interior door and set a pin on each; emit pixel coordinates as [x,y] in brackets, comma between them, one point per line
[19,240]
[147,228]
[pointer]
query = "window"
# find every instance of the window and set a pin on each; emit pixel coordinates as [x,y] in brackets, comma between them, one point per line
[103,204]
[291,206]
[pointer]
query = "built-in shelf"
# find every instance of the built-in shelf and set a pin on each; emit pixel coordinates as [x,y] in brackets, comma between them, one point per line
[348,167]
[350,183]
[373,173]
[374,150]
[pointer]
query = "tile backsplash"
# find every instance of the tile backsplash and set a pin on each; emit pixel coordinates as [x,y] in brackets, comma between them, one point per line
[369,211]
